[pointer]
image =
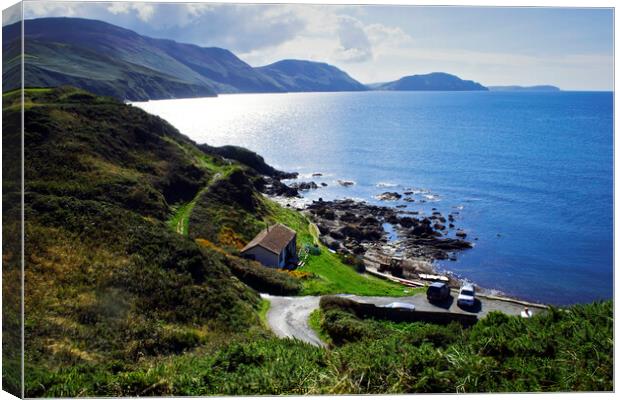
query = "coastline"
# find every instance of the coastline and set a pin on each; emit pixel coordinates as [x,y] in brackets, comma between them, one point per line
[513,215]
[417,250]
[357,228]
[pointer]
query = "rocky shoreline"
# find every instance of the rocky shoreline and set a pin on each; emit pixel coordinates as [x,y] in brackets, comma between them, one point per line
[388,239]
[359,229]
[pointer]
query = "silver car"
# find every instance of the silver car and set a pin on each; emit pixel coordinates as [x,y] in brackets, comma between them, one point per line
[402,306]
[467,296]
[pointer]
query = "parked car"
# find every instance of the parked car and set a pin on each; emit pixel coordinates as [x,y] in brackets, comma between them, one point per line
[401,305]
[438,291]
[467,296]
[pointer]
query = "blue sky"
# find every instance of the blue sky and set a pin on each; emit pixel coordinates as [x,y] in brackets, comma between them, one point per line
[570,48]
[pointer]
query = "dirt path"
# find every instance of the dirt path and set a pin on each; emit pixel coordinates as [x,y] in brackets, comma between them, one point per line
[288,316]
[185,211]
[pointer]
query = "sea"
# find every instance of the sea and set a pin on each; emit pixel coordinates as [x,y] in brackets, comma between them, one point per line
[528,176]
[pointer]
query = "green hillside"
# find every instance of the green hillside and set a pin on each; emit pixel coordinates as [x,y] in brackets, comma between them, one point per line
[108,282]
[109,60]
[135,286]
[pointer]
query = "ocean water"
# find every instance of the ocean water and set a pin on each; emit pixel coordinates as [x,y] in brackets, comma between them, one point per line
[529,176]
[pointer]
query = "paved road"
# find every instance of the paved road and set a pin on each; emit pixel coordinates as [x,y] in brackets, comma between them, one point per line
[288,316]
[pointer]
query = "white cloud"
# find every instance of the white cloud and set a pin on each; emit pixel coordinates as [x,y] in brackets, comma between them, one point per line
[119,8]
[381,35]
[49,9]
[144,11]
[12,14]
[354,44]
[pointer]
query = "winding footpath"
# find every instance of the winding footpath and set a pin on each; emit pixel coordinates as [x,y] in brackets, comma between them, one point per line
[182,225]
[288,316]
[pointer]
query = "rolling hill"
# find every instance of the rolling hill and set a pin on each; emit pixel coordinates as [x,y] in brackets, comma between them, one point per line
[436,81]
[308,76]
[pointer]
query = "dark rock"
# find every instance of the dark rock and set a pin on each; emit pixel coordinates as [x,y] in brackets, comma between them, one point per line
[331,243]
[317,174]
[274,187]
[393,219]
[349,217]
[345,183]
[370,220]
[409,200]
[355,223]
[323,184]
[407,222]
[389,196]
[304,185]
[461,234]
[336,235]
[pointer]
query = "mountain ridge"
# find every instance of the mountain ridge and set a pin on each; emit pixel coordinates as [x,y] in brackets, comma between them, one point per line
[110,60]
[434,81]
[310,76]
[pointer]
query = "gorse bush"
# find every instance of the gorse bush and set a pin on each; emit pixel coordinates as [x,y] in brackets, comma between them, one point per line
[261,279]
[558,350]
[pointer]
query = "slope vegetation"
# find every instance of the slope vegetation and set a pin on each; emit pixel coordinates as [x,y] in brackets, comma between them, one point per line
[108,282]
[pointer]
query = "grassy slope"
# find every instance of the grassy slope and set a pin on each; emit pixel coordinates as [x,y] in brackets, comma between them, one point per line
[99,180]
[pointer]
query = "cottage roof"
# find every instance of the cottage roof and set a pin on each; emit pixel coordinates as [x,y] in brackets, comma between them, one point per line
[274,238]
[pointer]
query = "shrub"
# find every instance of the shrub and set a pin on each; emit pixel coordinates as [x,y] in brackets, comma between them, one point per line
[263,279]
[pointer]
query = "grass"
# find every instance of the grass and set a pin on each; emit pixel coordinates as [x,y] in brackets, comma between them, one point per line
[335,277]
[179,221]
[315,320]
[262,312]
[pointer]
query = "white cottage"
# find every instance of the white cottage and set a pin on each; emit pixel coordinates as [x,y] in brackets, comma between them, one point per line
[273,247]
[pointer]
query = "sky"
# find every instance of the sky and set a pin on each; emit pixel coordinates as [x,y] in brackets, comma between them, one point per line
[568,47]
